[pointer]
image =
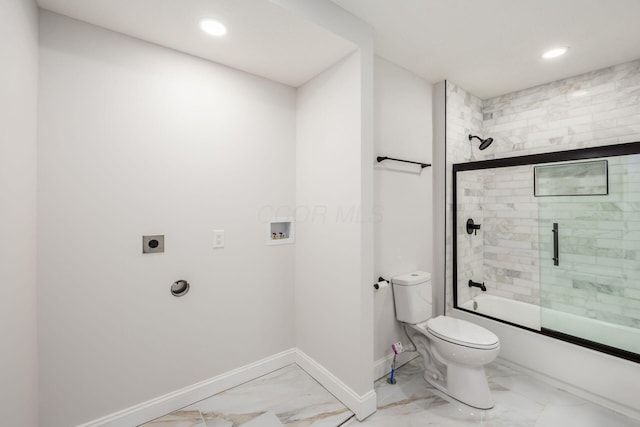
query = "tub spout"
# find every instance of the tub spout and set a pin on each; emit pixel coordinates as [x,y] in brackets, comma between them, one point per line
[473,284]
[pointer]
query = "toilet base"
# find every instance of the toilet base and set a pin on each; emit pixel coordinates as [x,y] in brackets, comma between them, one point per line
[470,386]
[467,384]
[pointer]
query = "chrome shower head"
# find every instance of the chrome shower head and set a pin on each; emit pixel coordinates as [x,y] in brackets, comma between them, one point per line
[484,143]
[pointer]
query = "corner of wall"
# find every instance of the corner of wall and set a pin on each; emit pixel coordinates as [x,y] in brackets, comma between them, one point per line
[345,195]
[439,195]
[18,191]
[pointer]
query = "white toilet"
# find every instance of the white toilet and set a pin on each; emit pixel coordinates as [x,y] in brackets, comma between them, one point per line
[454,351]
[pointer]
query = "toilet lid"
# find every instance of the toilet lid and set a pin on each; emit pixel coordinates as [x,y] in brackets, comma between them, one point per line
[461,332]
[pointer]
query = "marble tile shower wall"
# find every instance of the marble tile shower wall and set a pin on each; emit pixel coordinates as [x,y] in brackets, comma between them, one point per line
[594,109]
[464,116]
[470,246]
[511,249]
[505,252]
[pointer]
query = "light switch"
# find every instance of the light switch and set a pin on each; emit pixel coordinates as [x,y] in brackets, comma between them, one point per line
[218,238]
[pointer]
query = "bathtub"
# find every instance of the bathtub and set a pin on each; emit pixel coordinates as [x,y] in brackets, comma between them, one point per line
[534,317]
[520,313]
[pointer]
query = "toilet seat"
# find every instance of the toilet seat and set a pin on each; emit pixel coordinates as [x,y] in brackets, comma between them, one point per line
[461,332]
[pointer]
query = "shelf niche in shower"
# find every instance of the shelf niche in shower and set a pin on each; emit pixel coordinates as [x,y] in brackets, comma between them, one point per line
[571,179]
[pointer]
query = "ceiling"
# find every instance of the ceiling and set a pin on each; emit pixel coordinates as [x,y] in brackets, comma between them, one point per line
[489,47]
[492,47]
[263,38]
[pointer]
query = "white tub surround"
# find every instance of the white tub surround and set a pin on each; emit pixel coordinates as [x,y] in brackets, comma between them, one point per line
[534,317]
[520,313]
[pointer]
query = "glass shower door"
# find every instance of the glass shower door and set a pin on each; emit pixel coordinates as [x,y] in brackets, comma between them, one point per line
[589,240]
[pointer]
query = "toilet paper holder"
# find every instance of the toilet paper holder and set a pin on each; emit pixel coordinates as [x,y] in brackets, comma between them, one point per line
[380,280]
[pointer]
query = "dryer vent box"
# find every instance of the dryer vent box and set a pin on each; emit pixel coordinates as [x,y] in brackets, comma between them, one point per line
[153,244]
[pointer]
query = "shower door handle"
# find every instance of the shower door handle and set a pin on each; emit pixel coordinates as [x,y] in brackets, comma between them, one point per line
[556,259]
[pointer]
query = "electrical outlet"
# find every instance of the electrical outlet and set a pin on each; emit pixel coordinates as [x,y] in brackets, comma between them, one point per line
[397,347]
[218,238]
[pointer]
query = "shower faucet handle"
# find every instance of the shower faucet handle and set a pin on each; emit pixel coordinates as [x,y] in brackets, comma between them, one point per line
[472,227]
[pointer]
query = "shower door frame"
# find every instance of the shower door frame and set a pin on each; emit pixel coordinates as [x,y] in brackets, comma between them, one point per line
[606,151]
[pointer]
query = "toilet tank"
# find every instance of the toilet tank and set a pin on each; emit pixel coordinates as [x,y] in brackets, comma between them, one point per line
[412,297]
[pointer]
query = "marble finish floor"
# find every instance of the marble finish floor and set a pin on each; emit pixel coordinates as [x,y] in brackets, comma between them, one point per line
[291,397]
[288,396]
[520,401]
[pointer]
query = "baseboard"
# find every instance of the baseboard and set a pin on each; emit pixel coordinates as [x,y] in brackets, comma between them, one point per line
[154,408]
[586,395]
[361,406]
[382,367]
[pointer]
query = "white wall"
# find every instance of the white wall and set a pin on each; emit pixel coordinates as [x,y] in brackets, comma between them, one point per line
[403,196]
[137,139]
[334,249]
[18,109]
[329,302]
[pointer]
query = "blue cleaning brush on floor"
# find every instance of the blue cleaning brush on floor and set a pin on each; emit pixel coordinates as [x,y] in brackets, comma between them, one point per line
[391,379]
[397,349]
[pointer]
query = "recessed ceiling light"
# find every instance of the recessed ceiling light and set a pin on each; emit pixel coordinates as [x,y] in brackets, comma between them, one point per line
[579,93]
[213,27]
[554,53]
